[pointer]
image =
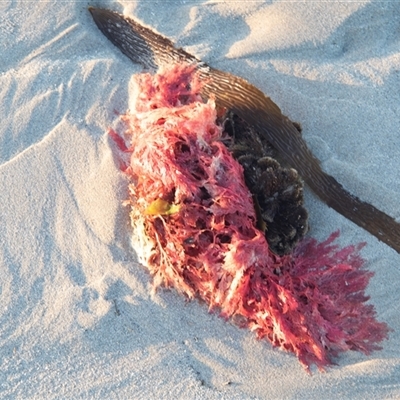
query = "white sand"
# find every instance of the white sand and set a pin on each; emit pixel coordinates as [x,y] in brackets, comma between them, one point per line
[77,318]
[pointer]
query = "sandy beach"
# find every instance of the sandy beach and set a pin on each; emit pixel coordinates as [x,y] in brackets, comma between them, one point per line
[78,320]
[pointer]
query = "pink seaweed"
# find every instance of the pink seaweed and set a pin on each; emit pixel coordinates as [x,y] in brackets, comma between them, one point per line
[203,240]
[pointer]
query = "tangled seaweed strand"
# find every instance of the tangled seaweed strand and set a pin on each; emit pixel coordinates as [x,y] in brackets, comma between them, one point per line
[194,227]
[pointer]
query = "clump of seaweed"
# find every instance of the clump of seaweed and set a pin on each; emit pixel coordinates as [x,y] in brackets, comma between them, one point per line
[277,191]
[195,228]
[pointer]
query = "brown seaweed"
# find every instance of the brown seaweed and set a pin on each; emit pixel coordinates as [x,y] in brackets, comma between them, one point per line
[142,45]
[277,191]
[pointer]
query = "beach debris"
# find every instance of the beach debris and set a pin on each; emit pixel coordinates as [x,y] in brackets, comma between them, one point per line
[277,191]
[152,50]
[195,229]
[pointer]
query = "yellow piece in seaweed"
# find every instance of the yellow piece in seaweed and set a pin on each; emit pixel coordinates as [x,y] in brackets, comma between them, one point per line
[161,207]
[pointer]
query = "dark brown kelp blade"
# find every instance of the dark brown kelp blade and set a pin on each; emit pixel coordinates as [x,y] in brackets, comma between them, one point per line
[140,44]
[151,50]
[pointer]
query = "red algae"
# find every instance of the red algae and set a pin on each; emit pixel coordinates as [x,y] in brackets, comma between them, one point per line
[195,229]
